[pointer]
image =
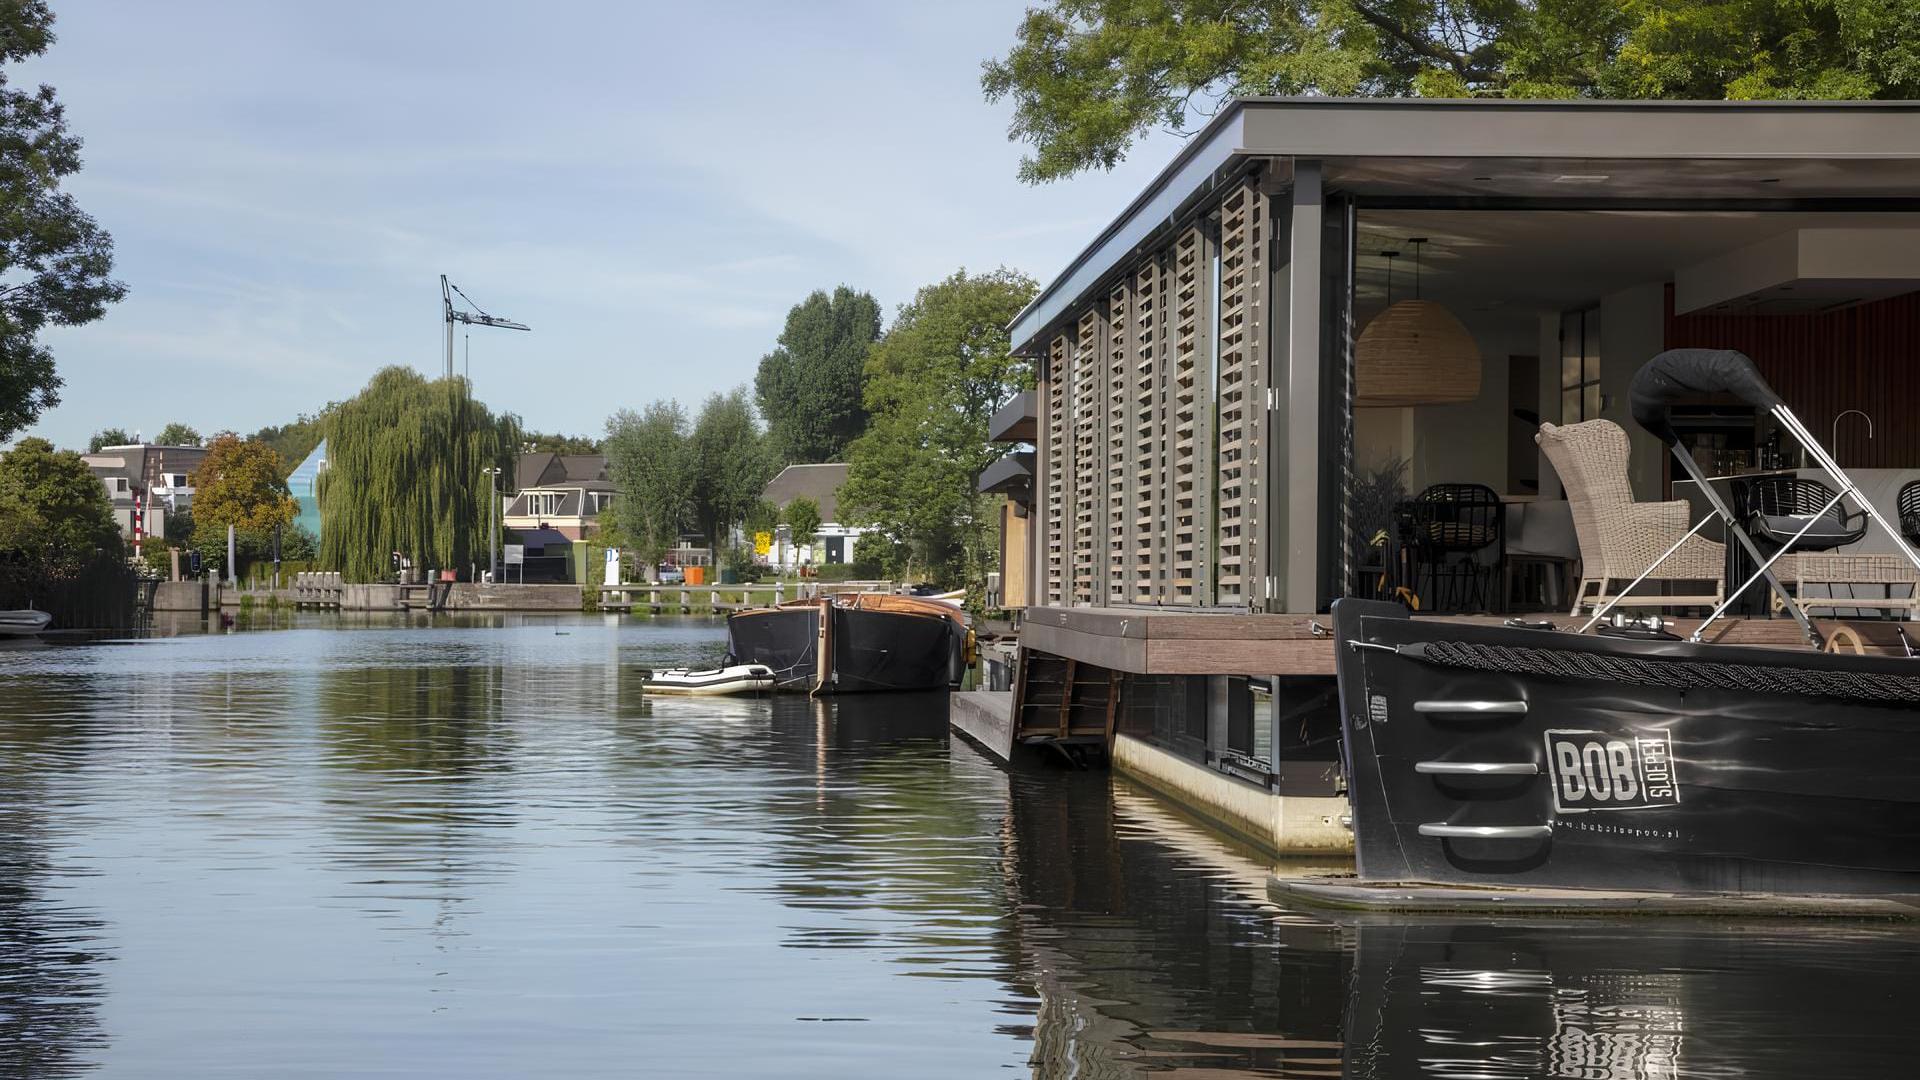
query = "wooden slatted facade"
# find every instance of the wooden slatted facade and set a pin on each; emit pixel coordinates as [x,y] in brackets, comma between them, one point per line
[1241,392]
[1089,466]
[1056,470]
[1119,461]
[1149,425]
[1154,418]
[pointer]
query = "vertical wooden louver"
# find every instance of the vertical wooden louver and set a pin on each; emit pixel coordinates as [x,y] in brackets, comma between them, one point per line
[1149,426]
[1087,466]
[1242,297]
[1185,367]
[1121,327]
[1058,467]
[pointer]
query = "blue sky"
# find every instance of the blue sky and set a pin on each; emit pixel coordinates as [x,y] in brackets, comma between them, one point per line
[651,187]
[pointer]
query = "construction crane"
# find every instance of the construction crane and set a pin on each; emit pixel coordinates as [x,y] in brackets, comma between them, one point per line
[476,317]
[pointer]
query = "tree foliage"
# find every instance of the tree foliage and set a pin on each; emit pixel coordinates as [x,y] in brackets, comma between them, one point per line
[55,516]
[241,483]
[534,442]
[55,261]
[730,464]
[106,437]
[761,516]
[809,386]
[177,434]
[404,473]
[802,518]
[649,457]
[294,440]
[933,384]
[1088,77]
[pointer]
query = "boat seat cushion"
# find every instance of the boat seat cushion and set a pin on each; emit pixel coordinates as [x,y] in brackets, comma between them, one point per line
[1828,531]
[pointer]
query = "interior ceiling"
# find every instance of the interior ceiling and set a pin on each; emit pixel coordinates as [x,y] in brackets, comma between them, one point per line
[1667,178]
[1488,260]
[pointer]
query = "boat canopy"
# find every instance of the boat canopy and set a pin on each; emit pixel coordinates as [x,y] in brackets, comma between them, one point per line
[1679,374]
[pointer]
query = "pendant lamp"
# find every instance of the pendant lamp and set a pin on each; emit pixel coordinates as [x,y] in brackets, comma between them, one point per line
[1415,352]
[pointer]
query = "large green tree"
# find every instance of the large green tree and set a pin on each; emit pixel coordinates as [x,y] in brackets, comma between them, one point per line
[241,483]
[649,457]
[405,463]
[933,383]
[1088,77]
[55,261]
[809,386]
[730,464]
[55,517]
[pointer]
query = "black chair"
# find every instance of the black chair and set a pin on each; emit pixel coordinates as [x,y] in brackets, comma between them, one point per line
[1909,509]
[1451,530]
[1779,507]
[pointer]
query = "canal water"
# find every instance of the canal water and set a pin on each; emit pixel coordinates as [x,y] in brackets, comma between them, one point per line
[471,851]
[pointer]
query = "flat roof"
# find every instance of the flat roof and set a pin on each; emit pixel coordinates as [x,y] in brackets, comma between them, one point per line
[1839,149]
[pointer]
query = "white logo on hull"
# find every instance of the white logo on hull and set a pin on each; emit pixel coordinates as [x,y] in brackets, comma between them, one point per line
[1611,770]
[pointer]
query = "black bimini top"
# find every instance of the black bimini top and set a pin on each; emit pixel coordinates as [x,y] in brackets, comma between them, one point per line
[1680,374]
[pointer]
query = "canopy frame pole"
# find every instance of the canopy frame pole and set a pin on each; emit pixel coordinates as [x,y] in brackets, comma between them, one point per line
[1767,567]
[1832,468]
[1651,567]
[1692,469]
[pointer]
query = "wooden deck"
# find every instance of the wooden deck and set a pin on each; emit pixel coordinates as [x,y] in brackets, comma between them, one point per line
[1157,641]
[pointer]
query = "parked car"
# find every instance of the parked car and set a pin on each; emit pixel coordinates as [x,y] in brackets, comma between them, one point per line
[671,575]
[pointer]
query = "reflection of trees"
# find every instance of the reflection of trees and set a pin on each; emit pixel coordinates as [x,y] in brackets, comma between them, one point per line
[419,753]
[50,952]
[866,813]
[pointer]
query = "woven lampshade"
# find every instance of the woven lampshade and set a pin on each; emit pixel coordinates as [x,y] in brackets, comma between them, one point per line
[1415,353]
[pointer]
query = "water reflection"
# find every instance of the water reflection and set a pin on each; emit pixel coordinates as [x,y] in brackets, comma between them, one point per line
[52,951]
[477,848]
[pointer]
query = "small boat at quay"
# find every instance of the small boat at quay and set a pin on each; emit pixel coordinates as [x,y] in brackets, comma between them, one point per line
[1521,767]
[855,643]
[733,679]
[24,622]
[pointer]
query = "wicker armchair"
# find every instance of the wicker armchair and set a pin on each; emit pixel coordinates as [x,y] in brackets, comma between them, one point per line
[1620,538]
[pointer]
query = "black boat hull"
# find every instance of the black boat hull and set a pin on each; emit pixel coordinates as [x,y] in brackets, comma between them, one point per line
[784,639]
[869,650]
[1655,766]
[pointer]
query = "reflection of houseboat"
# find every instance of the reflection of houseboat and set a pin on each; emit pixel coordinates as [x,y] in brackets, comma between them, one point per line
[854,643]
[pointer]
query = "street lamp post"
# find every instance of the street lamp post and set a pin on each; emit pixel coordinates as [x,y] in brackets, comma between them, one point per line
[493,508]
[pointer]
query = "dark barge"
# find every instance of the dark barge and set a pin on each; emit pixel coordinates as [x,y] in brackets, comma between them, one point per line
[854,643]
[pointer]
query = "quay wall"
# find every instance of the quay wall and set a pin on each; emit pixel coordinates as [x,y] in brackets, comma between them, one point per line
[1282,824]
[182,596]
[467,596]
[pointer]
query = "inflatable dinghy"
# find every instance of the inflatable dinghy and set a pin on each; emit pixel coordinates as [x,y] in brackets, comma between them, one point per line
[738,679]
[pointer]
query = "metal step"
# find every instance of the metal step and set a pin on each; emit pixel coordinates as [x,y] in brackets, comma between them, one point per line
[1445,831]
[1493,708]
[1477,768]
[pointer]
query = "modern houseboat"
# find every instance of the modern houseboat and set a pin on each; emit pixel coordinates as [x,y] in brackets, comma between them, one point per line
[1382,350]
[854,643]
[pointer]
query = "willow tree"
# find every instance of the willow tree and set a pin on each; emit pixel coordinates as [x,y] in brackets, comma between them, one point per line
[405,473]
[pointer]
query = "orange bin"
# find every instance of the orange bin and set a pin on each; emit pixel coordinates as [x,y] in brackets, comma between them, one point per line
[696,575]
